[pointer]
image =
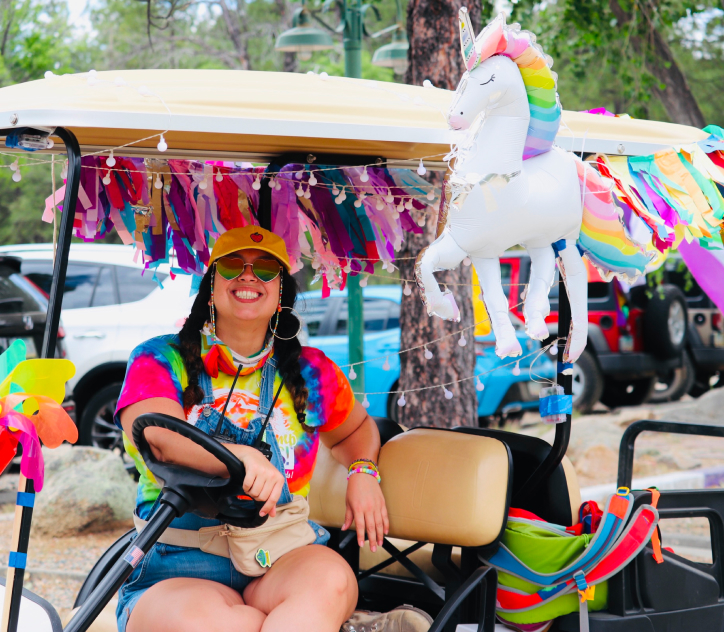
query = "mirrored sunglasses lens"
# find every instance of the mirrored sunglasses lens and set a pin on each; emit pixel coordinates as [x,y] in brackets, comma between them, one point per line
[266,270]
[230,268]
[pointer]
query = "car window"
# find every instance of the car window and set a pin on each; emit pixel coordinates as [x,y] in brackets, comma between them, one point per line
[379,314]
[16,296]
[105,293]
[80,281]
[132,286]
[506,274]
[312,311]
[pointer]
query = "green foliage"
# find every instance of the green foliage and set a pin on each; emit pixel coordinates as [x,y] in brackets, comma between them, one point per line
[598,66]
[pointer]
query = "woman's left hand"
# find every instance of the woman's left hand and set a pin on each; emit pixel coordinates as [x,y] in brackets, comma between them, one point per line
[366,506]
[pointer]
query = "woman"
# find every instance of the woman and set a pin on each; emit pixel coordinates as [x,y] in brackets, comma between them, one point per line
[245,300]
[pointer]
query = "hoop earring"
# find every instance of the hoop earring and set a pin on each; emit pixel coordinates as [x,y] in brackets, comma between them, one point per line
[276,324]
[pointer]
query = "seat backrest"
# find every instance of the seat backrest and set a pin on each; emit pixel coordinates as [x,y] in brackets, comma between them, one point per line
[559,498]
[440,486]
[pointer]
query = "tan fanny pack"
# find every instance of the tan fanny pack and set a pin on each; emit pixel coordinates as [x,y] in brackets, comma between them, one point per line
[252,551]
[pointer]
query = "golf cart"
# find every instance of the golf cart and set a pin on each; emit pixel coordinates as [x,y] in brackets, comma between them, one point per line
[448,492]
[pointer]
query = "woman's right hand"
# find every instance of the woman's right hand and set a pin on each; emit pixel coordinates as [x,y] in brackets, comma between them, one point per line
[263,481]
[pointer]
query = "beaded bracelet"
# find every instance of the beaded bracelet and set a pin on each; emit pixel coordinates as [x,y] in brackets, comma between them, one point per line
[366,467]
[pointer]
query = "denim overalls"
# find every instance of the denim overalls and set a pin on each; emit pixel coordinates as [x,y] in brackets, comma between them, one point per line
[165,561]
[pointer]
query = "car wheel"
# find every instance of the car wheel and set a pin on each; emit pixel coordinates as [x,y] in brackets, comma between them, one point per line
[702,384]
[674,384]
[97,427]
[665,322]
[627,393]
[587,383]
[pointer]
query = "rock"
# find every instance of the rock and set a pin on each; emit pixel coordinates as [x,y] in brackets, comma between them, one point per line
[597,464]
[86,489]
[707,409]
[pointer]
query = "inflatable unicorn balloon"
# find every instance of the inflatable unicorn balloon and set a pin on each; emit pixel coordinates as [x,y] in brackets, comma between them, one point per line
[511,185]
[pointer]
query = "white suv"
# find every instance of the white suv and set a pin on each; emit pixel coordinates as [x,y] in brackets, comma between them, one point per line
[109,307]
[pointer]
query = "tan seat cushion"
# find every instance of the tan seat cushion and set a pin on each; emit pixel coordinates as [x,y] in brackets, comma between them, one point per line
[440,486]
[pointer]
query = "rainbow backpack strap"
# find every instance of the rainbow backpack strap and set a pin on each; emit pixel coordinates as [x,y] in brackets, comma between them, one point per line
[618,509]
[633,539]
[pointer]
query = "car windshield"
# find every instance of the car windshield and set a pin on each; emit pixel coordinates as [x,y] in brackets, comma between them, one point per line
[17,295]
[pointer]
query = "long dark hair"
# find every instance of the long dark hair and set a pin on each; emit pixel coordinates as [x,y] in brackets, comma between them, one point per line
[287,352]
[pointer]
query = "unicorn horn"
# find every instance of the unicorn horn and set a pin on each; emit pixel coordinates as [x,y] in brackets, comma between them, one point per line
[467,40]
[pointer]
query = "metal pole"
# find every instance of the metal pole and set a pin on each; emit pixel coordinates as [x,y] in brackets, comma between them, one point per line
[352,37]
[26,491]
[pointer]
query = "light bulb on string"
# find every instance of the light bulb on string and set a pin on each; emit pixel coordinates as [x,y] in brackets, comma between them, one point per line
[298,175]
[408,204]
[107,178]
[271,183]
[516,368]
[16,176]
[389,198]
[463,341]
[479,386]
[63,171]
[14,165]
[316,264]
[421,169]
[343,195]
[352,373]
[386,365]
[365,176]
[312,180]
[363,282]
[554,349]
[335,190]
[203,184]
[308,193]
[407,290]
[347,267]
[380,206]
[111,161]
[448,394]
[431,195]
[220,177]
[360,200]
[421,221]
[467,261]
[277,184]
[51,143]
[428,354]
[365,402]
[400,207]
[300,190]
[162,146]
[402,401]
[158,183]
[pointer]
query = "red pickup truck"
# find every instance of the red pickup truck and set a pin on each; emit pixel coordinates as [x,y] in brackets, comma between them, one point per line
[630,342]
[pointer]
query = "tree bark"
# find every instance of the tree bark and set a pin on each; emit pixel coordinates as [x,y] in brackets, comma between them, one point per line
[673,90]
[432,30]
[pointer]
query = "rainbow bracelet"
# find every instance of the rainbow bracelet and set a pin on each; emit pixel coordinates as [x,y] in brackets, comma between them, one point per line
[359,469]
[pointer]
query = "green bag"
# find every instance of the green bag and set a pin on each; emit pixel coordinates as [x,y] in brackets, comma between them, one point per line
[546,550]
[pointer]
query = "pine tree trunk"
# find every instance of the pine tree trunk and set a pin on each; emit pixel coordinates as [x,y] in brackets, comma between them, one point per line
[432,30]
[673,90]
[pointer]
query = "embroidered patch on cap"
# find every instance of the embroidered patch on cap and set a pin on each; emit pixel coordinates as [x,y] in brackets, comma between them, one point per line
[256,237]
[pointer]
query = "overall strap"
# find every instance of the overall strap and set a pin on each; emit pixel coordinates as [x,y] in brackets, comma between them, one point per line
[266,390]
[206,387]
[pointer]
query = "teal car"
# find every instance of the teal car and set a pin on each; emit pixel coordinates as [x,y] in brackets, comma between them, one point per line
[505,395]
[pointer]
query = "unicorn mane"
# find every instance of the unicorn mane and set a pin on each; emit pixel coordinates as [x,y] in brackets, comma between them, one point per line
[498,38]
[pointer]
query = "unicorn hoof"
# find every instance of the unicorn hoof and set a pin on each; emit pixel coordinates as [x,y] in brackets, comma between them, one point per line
[508,348]
[536,328]
[446,308]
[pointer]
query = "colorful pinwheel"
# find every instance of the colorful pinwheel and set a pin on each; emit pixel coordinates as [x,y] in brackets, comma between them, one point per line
[31,393]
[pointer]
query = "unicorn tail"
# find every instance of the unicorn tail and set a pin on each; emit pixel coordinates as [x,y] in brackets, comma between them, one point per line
[604,239]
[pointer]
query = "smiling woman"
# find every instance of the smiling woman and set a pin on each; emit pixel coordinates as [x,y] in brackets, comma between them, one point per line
[238,348]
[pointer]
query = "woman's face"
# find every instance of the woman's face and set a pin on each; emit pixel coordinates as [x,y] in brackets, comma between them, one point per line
[246,298]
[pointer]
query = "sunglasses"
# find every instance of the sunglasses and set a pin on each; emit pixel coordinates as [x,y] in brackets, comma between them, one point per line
[266,270]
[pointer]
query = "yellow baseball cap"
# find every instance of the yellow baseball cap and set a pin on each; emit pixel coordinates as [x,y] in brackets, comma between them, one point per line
[249,237]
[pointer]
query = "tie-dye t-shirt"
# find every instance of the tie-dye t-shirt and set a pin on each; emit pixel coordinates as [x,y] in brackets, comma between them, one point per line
[156,369]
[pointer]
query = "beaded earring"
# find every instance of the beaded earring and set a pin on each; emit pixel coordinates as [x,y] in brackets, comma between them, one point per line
[211,306]
[279,308]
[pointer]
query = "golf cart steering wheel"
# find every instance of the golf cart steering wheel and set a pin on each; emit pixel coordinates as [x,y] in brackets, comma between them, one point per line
[207,495]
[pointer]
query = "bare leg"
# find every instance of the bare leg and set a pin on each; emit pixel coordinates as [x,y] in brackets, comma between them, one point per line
[310,589]
[506,342]
[537,307]
[441,254]
[190,605]
[577,288]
